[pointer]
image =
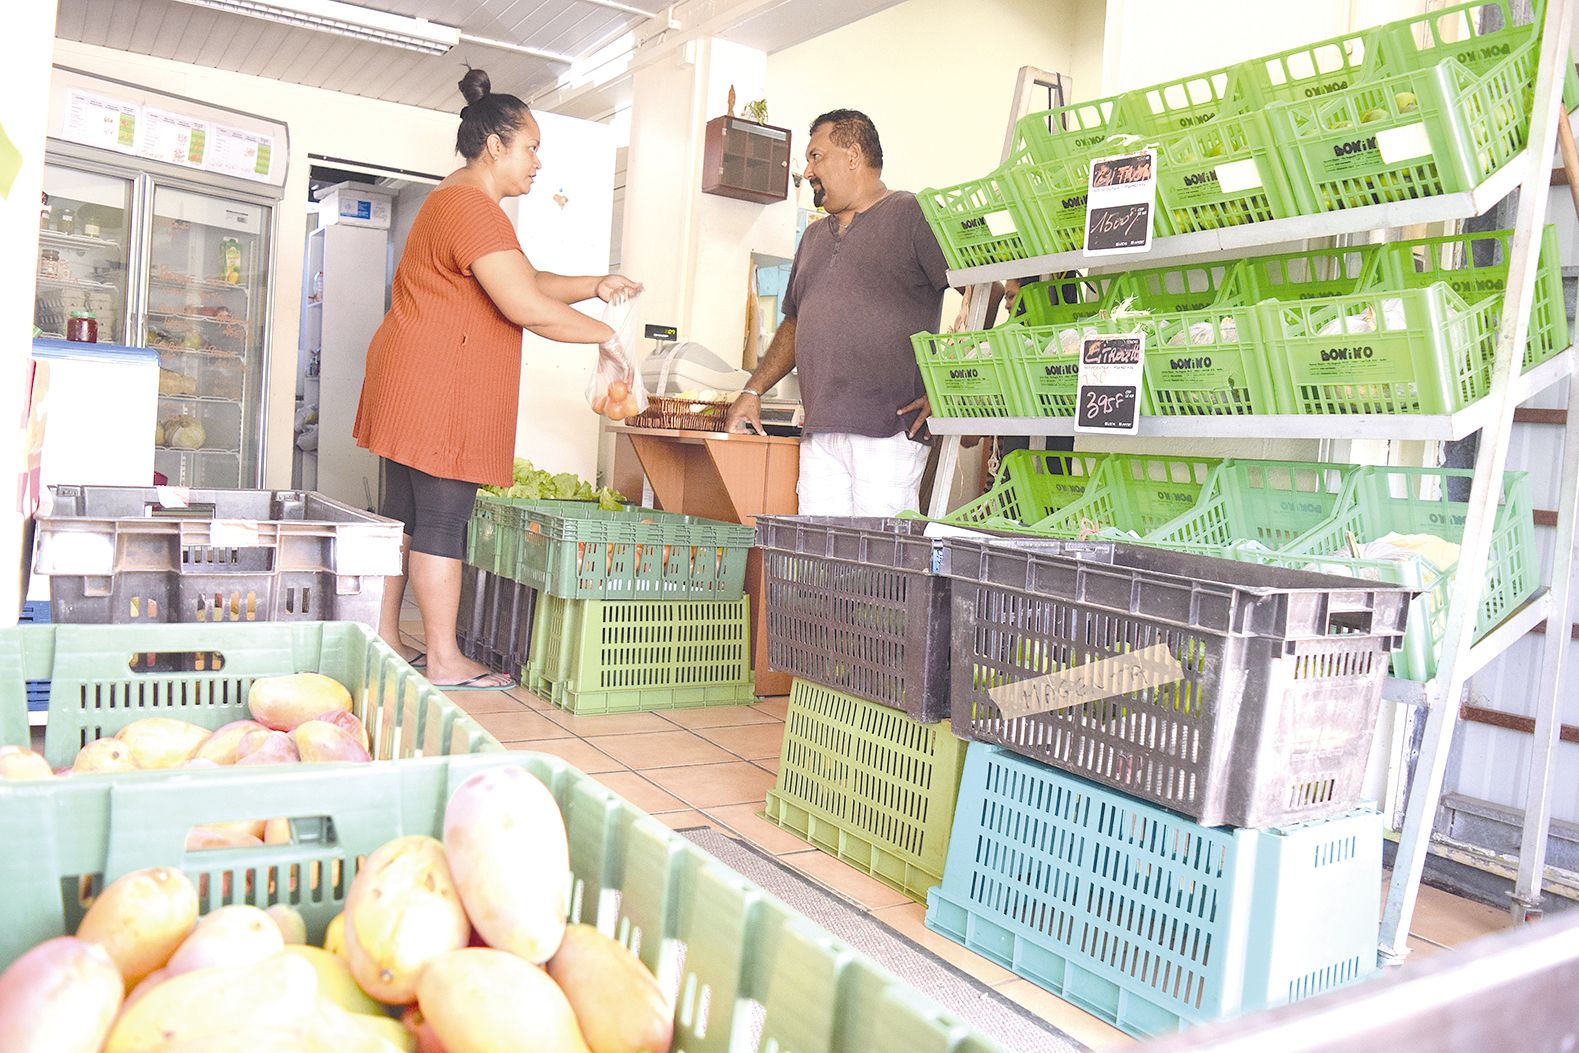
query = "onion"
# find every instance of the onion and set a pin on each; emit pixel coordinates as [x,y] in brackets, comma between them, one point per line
[184,432]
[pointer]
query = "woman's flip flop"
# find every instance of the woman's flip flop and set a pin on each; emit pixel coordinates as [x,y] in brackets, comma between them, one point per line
[474,685]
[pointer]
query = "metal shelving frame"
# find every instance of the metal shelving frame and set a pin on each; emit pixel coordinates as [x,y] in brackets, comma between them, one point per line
[1491,417]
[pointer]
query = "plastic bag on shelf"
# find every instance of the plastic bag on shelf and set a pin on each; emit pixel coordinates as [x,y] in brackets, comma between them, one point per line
[615,389]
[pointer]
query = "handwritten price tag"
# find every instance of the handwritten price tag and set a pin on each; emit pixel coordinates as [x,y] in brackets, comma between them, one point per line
[1112,370]
[1120,203]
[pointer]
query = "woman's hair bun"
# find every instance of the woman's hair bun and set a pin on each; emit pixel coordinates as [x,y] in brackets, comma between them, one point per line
[474,86]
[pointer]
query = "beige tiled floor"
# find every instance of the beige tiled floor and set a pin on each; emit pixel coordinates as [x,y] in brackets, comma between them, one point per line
[714,767]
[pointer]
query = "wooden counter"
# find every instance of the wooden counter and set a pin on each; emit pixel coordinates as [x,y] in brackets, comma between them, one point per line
[731,477]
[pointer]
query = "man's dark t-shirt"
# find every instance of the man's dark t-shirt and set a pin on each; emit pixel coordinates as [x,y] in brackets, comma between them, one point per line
[857,297]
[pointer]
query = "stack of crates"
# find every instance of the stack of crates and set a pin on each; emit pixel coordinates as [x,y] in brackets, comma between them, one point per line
[628,610]
[869,770]
[1420,107]
[1183,850]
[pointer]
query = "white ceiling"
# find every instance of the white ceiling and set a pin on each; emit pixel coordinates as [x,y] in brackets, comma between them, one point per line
[171,30]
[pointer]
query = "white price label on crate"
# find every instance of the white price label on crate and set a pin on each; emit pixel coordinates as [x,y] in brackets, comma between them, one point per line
[1236,177]
[1403,144]
[233,533]
[172,496]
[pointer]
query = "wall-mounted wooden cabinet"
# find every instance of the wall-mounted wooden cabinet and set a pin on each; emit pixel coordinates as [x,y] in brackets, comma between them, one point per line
[746,160]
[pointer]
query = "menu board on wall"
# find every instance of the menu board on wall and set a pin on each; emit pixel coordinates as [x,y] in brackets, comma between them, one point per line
[172,138]
[245,155]
[94,120]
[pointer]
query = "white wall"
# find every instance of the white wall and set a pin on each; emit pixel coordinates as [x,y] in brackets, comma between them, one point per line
[24,55]
[321,122]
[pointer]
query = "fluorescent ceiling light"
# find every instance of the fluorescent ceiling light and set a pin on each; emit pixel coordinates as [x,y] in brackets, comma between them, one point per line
[347,20]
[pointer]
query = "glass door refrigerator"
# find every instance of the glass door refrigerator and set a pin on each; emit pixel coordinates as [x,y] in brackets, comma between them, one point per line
[203,306]
[158,219]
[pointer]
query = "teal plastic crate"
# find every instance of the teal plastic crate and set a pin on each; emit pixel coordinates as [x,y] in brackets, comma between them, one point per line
[624,656]
[868,785]
[1270,503]
[1131,493]
[103,677]
[1145,919]
[1031,485]
[740,966]
[586,553]
[1382,500]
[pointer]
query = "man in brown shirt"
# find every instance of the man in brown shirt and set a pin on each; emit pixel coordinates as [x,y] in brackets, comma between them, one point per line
[864,280]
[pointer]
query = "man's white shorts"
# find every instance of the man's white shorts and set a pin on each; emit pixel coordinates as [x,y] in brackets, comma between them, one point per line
[856,475]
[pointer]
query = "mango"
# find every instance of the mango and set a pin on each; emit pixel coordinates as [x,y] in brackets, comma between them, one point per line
[267,747]
[506,844]
[146,984]
[283,702]
[334,936]
[207,838]
[292,926]
[335,982]
[222,746]
[402,911]
[19,764]
[480,1000]
[162,742]
[103,755]
[59,997]
[349,722]
[616,999]
[422,1031]
[228,937]
[320,742]
[277,832]
[207,1008]
[140,919]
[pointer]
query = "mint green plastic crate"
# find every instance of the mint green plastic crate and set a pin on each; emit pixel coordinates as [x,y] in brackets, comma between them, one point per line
[636,553]
[1192,194]
[1475,265]
[103,677]
[1408,351]
[1382,500]
[1448,127]
[1031,485]
[1146,919]
[493,534]
[981,221]
[734,960]
[1131,493]
[626,656]
[1270,503]
[868,785]
[970,374]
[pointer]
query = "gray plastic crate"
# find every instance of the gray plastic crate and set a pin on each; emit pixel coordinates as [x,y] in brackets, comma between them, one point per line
[495,625]
[853,605]
[118,554]
[1272,720]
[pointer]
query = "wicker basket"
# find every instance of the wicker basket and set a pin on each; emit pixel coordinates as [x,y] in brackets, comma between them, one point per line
[680,414]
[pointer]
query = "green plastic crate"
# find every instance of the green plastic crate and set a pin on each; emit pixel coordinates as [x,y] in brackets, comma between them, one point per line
[103,677]
[1131,493]
[735,960]
[970,374]
[868,785]
[1031,485]
[1177,104]
[981,221]
[1455,32]
[1078,130]
[632,554]
[1046,365]
[626,656]
[1475,265]
[1052,200]
[1382,500]
[1408,351]
[1310,274]
[1311,70]
[1061,300]
[493,534]
[1270,503]
[1458,128]
[1223,173]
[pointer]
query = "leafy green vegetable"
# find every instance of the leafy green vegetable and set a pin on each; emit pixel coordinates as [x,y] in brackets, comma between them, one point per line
[533,484]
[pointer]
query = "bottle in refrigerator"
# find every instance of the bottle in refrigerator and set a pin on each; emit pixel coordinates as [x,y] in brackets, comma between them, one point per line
[230,249]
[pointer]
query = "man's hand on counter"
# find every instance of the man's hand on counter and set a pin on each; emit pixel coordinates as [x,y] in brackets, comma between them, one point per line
[745,415]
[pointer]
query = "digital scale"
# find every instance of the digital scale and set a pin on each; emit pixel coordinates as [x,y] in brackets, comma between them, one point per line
[682,365]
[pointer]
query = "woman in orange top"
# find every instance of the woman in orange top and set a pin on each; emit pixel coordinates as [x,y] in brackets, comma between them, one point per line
[442,385]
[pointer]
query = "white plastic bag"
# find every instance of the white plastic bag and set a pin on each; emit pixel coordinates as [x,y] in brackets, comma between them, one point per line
[615,388]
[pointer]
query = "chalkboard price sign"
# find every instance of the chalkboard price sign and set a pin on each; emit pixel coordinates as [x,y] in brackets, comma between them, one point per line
[1111,375]
[1120,203]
